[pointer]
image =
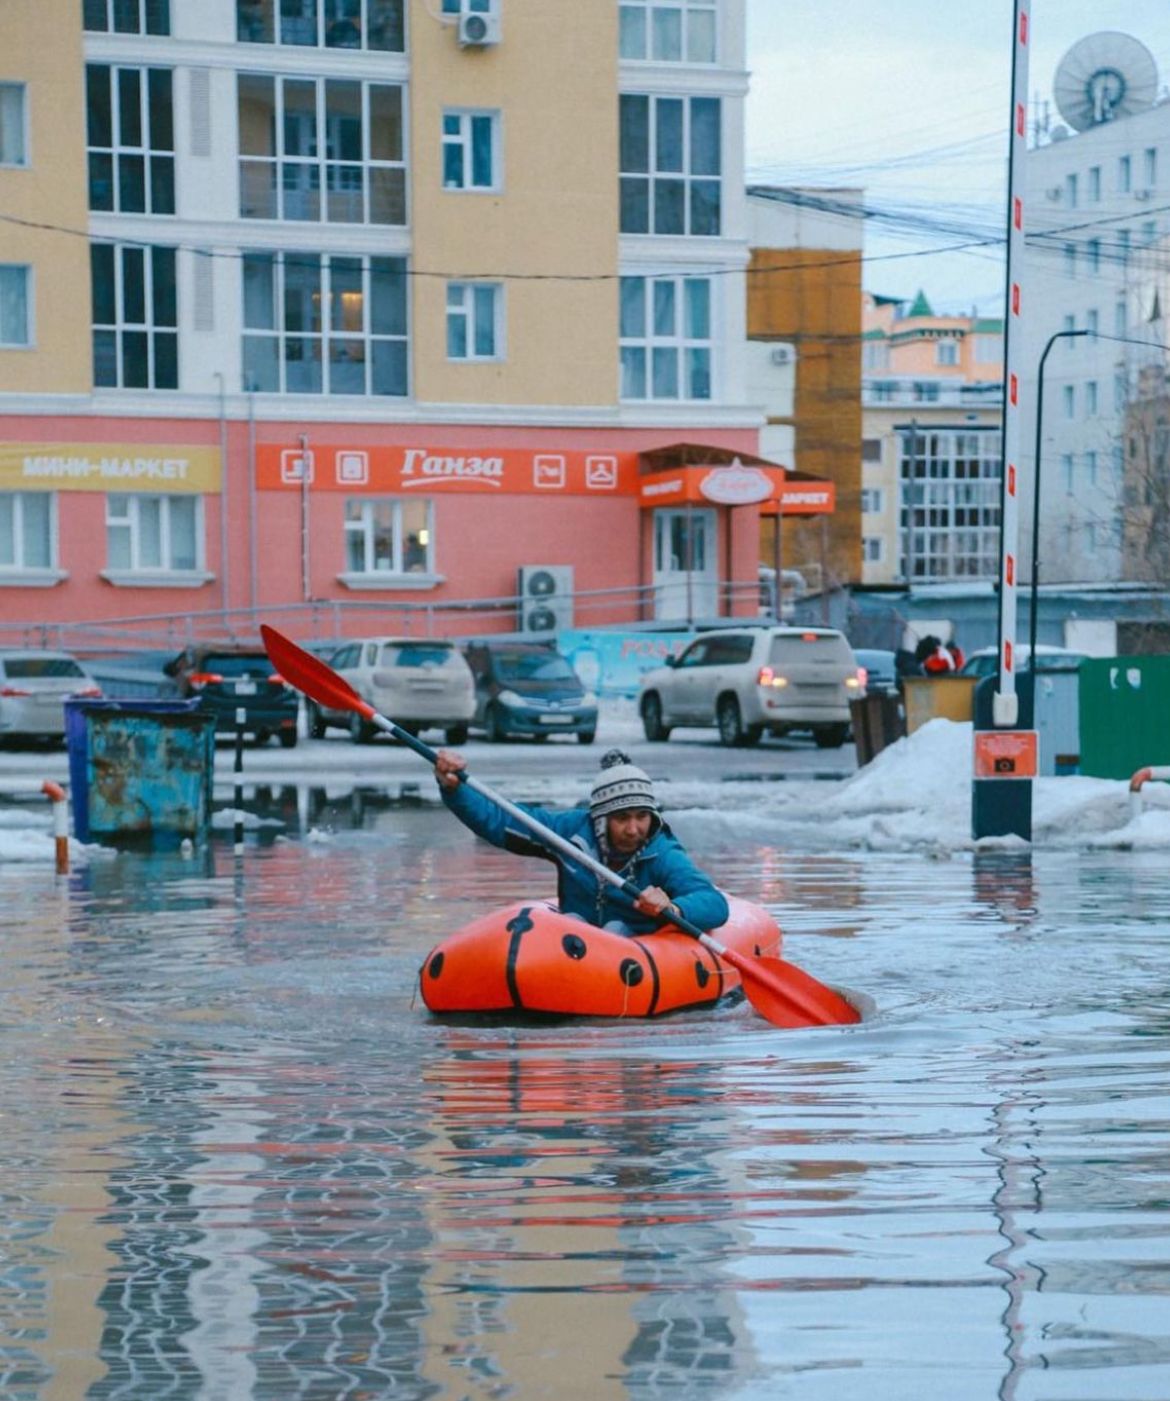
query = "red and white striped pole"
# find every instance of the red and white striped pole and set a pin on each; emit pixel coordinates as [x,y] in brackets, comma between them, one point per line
[1006,704]
[56,795]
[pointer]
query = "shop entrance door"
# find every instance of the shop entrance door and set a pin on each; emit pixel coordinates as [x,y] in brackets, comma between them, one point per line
[686,581]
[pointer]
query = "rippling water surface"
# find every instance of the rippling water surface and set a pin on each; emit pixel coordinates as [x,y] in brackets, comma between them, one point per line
[238,1162]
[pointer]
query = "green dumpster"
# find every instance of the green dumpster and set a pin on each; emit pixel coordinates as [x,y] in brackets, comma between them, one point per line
[1124,715]
[937,698]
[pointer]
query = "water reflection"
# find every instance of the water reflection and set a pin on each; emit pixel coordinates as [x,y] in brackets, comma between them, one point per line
[238,1163]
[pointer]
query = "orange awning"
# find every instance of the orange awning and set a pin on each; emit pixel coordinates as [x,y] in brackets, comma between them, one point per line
[699,474]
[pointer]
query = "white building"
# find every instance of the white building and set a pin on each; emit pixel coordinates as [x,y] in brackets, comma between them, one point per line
[1095,197]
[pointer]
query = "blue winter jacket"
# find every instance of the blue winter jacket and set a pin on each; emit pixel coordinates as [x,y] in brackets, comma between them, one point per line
[661,862]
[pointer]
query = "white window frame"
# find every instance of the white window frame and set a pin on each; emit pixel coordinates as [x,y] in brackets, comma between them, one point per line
[1070,190]
[146,8]
[946,352]
[872,500]
[1067,469]
[678,342]
[322,334]
[1091,398]
[1069,396]
[460,141]
[20,571]
[685,175]
[1070,260]
[320,168]
[121,327]
[398,573]
[1150,167]
[1091,467]
[1092,321]
[164,574]
[469,7]
[1124,174]
[464,306]
[28,340]
[322,22]
[1094,184]
[18,109]
[688,12]
[145,151]
[873,549]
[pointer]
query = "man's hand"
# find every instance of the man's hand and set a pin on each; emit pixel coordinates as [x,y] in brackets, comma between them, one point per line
[448,766]
[653,901]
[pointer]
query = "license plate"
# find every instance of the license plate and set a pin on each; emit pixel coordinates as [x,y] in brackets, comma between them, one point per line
[554,719]
[245,688]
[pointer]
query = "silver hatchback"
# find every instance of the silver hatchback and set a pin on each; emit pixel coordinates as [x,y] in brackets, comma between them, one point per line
[34,686]
[419,683]
[751,680]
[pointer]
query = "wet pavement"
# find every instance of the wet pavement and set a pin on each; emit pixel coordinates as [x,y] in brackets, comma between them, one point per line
[239,1159]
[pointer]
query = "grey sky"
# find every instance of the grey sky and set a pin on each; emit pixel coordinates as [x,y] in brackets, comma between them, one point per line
[909,100]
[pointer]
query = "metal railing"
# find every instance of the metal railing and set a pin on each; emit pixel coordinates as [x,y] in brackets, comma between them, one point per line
[325,620]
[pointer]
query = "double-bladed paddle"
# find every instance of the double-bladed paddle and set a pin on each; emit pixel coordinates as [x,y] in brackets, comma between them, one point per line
[782,993]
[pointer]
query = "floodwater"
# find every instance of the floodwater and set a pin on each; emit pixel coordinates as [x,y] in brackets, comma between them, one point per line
[238,1162]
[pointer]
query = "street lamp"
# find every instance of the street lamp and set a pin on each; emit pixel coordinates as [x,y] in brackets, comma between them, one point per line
[1052,339]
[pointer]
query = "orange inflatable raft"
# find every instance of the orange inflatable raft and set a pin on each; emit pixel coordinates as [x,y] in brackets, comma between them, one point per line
[531,958]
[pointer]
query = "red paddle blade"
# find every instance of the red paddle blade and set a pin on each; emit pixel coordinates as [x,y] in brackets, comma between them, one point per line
[787,996]
[310,674]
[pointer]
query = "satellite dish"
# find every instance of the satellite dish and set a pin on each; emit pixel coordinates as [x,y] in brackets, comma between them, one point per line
[1102,77]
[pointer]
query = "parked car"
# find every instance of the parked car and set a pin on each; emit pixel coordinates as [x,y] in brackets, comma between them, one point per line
[985,662]
[528,689]
[878,672]
[34,686]
[419,683]
[747,681]
[226,678]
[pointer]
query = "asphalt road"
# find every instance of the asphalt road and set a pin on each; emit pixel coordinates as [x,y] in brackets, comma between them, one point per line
[694,755]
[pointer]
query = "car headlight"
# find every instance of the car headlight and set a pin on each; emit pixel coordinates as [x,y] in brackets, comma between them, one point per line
[512,699]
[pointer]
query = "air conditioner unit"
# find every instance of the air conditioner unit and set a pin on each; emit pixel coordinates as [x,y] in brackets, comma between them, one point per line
[478,31]
[781,355]
[546,597]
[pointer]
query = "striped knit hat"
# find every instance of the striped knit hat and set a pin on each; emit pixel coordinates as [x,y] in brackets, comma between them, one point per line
[621,785]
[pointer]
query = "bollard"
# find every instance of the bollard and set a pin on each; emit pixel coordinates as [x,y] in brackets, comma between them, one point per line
[56,795]
[241,716]
[1135,787]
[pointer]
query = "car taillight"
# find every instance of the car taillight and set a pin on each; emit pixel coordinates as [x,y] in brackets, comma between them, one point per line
[767,677]
[862,677]
[277,680]
[88,693]
[198,679]
[808,636]
[13,691]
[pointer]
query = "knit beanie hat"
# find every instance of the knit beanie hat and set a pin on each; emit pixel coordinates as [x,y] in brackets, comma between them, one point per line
[621,785]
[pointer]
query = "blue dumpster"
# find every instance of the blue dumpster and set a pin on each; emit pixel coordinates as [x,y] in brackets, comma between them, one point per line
[140,769]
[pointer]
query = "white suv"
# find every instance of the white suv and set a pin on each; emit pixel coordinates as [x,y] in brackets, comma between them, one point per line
[746,681]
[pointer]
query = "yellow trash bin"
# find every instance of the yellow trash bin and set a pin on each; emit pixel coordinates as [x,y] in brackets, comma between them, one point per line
[937,697]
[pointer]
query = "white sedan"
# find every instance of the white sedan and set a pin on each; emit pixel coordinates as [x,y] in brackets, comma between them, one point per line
[34,686]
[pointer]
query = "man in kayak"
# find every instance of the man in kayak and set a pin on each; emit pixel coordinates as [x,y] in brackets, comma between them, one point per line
[623,828]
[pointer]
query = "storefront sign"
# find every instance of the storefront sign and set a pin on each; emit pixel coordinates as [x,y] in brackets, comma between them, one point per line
[736,485]
[804,499]
[423,467]
[139,467]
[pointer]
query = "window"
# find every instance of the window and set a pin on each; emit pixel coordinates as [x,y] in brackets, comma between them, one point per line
[1068,324]
[1066,470]
[670,164]
[1124,174]
[15,318]
[1092,321]
[330,24]
[871,450]
[1149,231]
[1120,391]
[27,530]
[988,349]
[1093,253]
[317,324]
[135,317]
[873,549]
[946,352]
[1069,396]
[665,338]
[389,536]
[875,355]
[1090,398]
[1120,318]
[474,320]
[1150,166]
[949,504]
[1094,184]
[149,533]
[668,31]
[469,7]
[1070,189]
[471,156]
[127,16]
[131,139]
[925,392]
[1070,259]
[1091,468]
[316,149]
[1123,246]
[883,391]
[872,501]
[13,124]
